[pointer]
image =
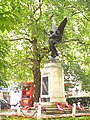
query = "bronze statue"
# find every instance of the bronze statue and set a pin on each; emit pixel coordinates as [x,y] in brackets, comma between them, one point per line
[55,36]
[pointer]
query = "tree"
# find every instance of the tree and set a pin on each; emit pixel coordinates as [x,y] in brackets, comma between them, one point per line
[8,20]
[4,63]
[33,36]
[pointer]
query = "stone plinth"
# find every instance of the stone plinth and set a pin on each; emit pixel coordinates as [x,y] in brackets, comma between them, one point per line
[52,82]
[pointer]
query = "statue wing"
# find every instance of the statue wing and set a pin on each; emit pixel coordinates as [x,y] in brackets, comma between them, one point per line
[61,28]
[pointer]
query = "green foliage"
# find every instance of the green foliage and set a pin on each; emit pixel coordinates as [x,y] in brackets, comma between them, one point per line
[4,51]
[8,17]
[28,19]
[20,65]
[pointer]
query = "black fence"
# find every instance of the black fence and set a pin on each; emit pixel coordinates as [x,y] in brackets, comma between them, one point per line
[85,101]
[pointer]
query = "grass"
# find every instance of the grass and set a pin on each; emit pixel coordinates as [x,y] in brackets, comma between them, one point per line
[72,118]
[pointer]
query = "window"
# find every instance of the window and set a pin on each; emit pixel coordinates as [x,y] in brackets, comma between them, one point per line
[26,87]
[45,86]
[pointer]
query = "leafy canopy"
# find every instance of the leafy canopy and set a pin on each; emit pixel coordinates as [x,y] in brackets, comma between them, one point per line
[28,19]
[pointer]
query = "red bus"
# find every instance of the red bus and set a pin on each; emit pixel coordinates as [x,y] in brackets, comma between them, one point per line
[27,94]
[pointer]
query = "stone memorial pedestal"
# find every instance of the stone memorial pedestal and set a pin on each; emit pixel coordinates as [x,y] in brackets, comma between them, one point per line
[52,83]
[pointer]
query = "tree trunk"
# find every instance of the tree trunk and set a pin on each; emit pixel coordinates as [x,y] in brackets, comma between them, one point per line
[37,80]
[36,71]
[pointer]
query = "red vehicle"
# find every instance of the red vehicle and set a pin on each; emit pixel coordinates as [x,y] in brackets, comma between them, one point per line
[27,98]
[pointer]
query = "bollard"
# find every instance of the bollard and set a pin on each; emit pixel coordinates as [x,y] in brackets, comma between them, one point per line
[19,110]
[39,111]
[74,109]
[78,104]
[0,111]
[0,105]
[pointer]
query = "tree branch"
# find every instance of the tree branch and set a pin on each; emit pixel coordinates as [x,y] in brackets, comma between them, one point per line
[76,40]
[74,13]
[40,4]
[39,7]
[85,17]
[17,39]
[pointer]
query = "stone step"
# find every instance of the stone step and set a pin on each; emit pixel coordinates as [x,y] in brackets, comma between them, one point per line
[56,111]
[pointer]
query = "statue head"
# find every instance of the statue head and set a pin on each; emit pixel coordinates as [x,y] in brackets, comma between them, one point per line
[57,33]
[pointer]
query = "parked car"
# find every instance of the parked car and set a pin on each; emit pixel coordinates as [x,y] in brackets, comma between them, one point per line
[4,104]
